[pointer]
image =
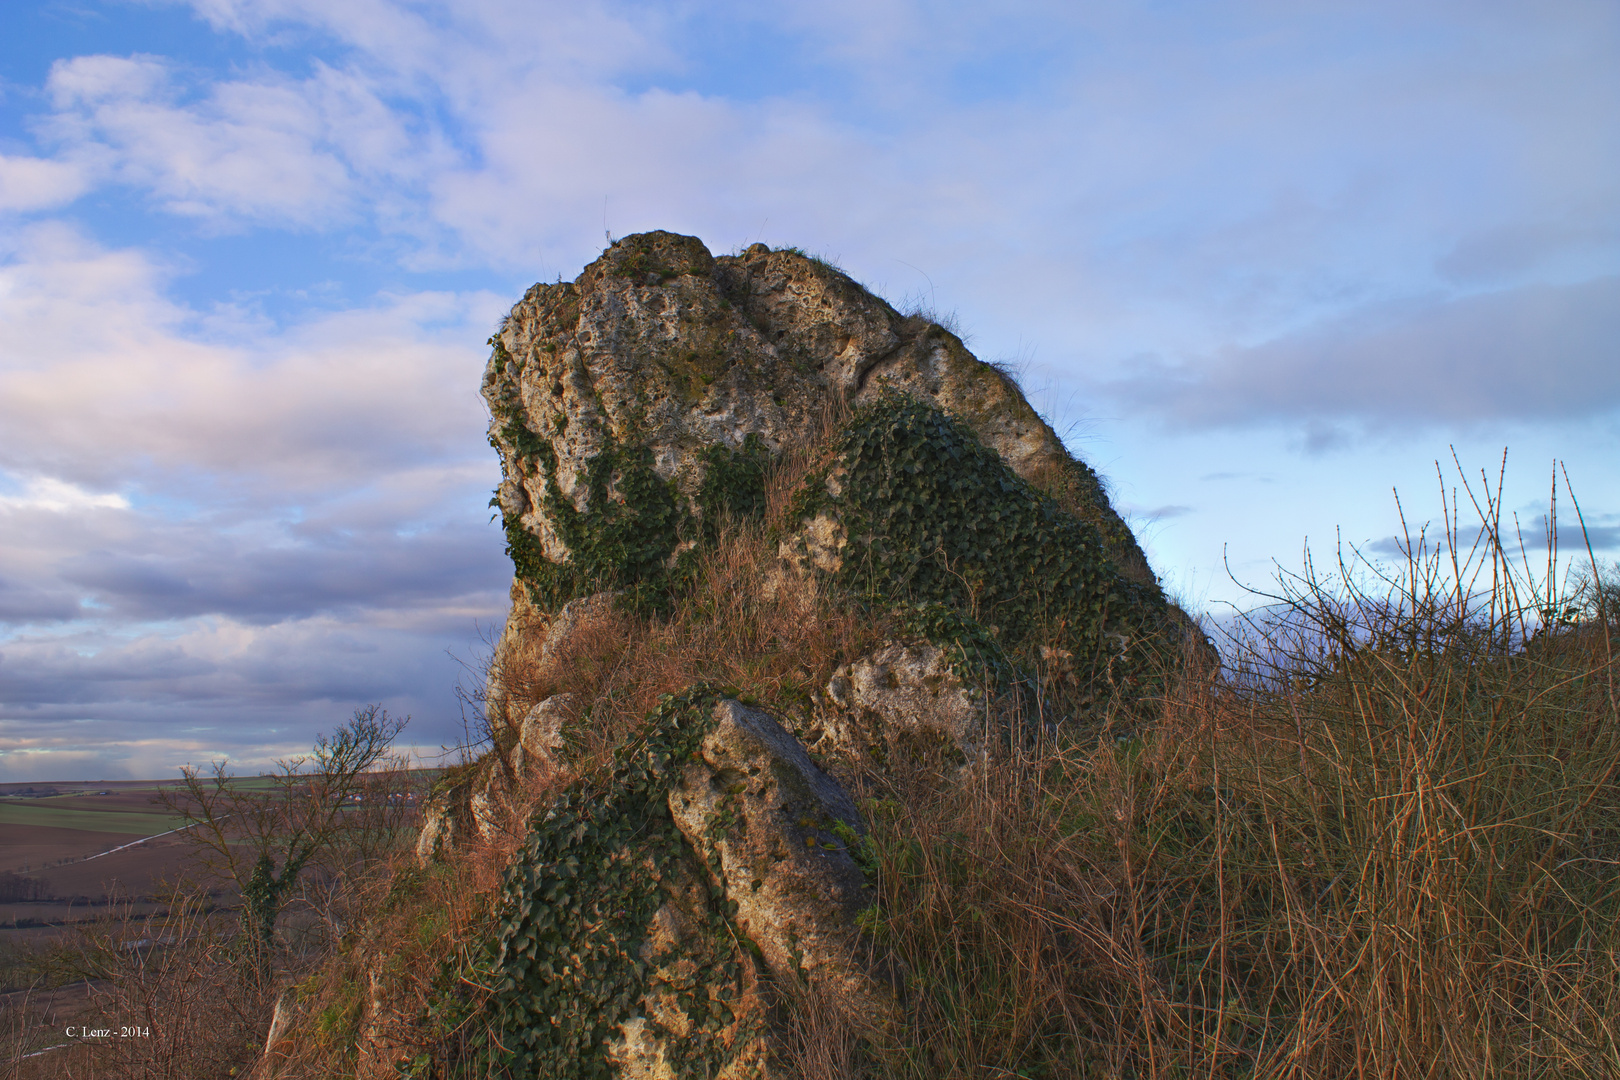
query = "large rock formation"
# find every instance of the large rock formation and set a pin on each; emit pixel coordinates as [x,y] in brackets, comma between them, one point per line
[635,403]
[664,902]
[660,346]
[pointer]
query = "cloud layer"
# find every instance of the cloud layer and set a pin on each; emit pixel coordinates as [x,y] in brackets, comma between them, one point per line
[244,289]
[1537,352]
[210,521]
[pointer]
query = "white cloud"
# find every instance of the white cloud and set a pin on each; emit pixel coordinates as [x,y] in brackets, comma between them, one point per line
[472,46]
[104,380]
[1330,218]
[206,529]
[91,704]
[258,150]
[30,183]
[1177,177]
[59,497]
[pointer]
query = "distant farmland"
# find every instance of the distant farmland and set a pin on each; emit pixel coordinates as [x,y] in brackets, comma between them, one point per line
[53,845]
[67,849]
[56,814]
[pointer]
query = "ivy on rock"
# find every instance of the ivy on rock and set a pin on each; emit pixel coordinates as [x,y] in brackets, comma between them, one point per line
[733,483]
[577,908]
[969,554]
[633,520]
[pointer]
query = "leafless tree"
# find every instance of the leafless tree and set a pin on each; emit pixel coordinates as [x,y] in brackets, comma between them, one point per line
[332,807]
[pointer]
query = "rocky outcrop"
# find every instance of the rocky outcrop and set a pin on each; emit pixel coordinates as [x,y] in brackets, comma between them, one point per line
[447,820]
[540,741]
[635,402]
[651,907]
[777,831]
[665,901]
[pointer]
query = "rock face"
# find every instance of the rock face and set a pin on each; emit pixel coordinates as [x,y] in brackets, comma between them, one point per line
[778,830]
[650,905]
[446,822]
[903,690]
[635,402]
[641,404]
[540,743]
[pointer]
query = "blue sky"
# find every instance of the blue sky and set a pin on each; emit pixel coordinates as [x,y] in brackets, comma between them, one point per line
[1264,264]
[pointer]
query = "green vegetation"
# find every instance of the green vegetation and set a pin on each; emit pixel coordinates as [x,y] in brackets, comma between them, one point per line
[50,813]
[974,557]
[626,537]
[624,542]
[577,904]
[821,261]
[733,485]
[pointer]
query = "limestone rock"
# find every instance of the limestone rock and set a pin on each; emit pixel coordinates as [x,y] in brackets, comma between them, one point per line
[660,912]
[631,376]
[485,807]
[531,637]
[482,803]
[446,822]
[902,688]
[773,821]
[818,545]
[540,741]
[569,619]
[524,633]
[676,945]
[281,1023]
[666,900]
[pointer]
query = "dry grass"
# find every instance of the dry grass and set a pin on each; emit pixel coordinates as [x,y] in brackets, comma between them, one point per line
[181,990]
[367,1007]
[1383,844]
[773,636]
[172,990]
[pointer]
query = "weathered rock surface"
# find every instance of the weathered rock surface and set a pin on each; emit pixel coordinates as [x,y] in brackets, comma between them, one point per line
[569,619]
[481,802]
[900,690]
[716,857]
[540,740]
[660,347]
[446,822]
[780,827]
[670,898]
[680,951]
[537,639]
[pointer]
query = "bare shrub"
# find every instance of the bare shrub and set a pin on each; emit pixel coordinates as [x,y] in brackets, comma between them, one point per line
[278,835]
[182,998]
